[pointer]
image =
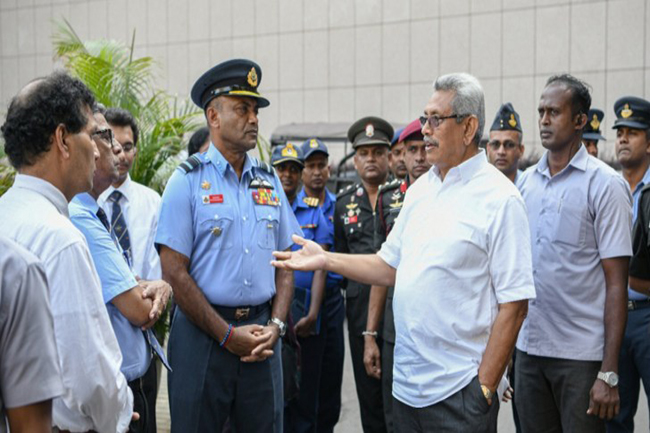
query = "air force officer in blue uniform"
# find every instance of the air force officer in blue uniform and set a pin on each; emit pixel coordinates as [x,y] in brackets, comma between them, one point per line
[222,214]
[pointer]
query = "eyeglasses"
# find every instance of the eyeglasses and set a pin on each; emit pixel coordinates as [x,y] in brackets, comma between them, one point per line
[435,121]
[105,135]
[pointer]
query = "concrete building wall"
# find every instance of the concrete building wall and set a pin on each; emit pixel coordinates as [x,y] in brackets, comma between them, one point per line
[338,60]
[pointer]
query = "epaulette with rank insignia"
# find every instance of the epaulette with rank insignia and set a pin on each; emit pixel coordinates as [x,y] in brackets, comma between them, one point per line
[311,201]
[346,190]
[390,185]
[190,163]
[264,166]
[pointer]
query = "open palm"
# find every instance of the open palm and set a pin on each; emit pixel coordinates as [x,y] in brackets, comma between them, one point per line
[310,257]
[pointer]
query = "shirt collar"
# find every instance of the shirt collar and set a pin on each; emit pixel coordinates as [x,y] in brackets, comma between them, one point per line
[86,201]
[579,161]
[126,188]
[44,188]
[217,159]
[645,180]
[466,170]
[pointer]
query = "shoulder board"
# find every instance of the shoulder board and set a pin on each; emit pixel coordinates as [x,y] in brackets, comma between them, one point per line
[390,185]
[264,166]
[311,201]
[190,163]
[346,190]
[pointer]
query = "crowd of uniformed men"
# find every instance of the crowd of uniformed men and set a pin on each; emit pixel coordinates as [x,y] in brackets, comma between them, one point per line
[467,282]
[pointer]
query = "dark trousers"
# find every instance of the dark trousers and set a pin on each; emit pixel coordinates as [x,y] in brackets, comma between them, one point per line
[331,378]
[387,383]
[552,394]
[150,388]
[318,405]
[369,390]
[140,406]
[465,411]
[633,367]
[209,384]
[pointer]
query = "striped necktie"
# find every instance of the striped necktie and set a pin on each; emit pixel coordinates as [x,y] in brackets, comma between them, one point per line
[118,224]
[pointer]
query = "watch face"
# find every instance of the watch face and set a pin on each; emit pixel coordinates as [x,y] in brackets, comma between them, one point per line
[613,379]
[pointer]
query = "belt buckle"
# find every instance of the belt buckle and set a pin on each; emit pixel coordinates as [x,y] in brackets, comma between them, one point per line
[242,313]
[630,305]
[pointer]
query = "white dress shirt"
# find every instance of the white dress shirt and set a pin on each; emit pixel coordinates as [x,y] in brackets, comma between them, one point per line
[140,206]
[578,217]
[96,397]
[461,247]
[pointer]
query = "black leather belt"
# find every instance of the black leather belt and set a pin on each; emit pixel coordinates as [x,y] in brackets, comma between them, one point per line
[635,305]
[239,314]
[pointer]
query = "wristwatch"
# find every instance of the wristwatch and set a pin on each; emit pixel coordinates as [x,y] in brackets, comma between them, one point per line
[609,377]
[280,324]
[487,393]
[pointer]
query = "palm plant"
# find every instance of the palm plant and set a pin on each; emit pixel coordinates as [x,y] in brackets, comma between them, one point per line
[118,79]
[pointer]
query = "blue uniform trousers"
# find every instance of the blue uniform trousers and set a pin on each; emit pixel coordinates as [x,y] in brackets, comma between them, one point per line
[318,406]
[209,384]
[633,367]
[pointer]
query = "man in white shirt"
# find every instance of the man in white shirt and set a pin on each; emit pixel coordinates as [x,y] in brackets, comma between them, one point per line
[459,259]
[132,209]
[48,137]
[138,204]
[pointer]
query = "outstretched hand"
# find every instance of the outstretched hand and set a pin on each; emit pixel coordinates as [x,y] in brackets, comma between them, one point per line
[310,257]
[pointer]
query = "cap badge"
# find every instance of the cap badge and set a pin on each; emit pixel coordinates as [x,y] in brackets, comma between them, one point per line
[512,122]
[595,123]
[252,77]
[289,150]
[370,130]
[313,143]
[626,112]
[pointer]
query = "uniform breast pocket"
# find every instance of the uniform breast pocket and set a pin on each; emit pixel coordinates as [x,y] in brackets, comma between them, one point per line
[268,220]
[570,224]
[215,225]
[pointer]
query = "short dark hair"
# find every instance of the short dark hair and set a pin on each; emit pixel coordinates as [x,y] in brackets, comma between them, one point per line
[197,140]
[37,110]
[581,98]
[99,108]
[116,116]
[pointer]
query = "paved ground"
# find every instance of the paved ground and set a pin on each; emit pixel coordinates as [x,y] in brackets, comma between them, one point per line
[350,423]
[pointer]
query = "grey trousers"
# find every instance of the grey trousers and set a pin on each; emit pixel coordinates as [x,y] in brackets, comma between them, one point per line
[209,384]
[466,411]
[552,394]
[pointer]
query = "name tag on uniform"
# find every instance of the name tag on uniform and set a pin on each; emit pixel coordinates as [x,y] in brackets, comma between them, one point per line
[213,198]
[351,220]
[267,197]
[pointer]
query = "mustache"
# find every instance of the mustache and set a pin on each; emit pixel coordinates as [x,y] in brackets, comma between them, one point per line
[431,141]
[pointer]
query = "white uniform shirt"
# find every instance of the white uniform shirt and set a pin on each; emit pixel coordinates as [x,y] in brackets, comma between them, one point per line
[578,217]
[461,247]
[34,214]
[140,206]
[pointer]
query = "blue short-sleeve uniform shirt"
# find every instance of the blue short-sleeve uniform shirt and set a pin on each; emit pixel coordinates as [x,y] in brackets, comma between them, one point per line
[315,228]
[116,278]
[333,280]
[227,227]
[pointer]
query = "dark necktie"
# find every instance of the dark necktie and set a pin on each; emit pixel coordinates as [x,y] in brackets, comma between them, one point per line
[118,224]
[103,218]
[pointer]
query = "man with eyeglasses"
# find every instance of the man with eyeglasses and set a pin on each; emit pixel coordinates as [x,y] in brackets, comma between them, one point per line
[580,214]
[506,147]
[48,134]
[460,260]
[131,305]
[132,209]
[379,364]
